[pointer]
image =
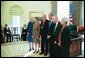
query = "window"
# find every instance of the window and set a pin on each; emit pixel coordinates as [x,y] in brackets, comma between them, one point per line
[36,14]
[62,9]
[16,22]
[16,17]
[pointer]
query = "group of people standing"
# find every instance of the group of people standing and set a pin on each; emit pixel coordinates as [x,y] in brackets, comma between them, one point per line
[55,36]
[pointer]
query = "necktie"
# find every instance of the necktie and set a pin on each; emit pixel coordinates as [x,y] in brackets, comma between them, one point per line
[54,29]
[49,24]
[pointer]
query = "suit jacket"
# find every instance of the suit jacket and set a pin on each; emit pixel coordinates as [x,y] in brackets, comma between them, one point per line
[36,29]
[7,31]
[44,29]
[55,34]
[30,27]
[65,37]
[51,30]
[49,26]
[24,31]
[58,29]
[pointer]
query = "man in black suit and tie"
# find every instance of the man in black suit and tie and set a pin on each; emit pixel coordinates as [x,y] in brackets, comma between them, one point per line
[43,34]
[53,33]
[50,22]
[50,18]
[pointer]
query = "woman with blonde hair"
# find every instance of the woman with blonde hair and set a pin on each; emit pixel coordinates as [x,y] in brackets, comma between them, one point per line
[64,39]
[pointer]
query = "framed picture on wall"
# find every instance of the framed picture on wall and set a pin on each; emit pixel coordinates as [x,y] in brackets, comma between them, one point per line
[34,14]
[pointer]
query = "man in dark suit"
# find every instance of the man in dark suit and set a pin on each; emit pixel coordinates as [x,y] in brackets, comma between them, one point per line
[50,22]
[54,32]
[7,33]
[43,34]
[50,18]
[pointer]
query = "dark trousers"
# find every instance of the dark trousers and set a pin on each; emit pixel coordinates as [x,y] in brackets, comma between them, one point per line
[23,37]
[65,52]
[57,51]
[44,44]
[8,38]
[2,40]
[54,49]
[49,45]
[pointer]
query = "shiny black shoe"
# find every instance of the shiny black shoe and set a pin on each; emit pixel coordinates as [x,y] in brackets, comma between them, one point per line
[29,49]
[32,48]
[41,53]
[45,54]
[37,51]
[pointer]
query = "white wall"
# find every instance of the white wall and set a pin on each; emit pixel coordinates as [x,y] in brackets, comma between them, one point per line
[27,6]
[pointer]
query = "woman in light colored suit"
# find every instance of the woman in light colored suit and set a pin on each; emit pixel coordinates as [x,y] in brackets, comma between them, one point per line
[36,28]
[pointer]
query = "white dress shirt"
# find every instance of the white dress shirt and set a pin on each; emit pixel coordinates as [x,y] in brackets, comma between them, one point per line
[56,25]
